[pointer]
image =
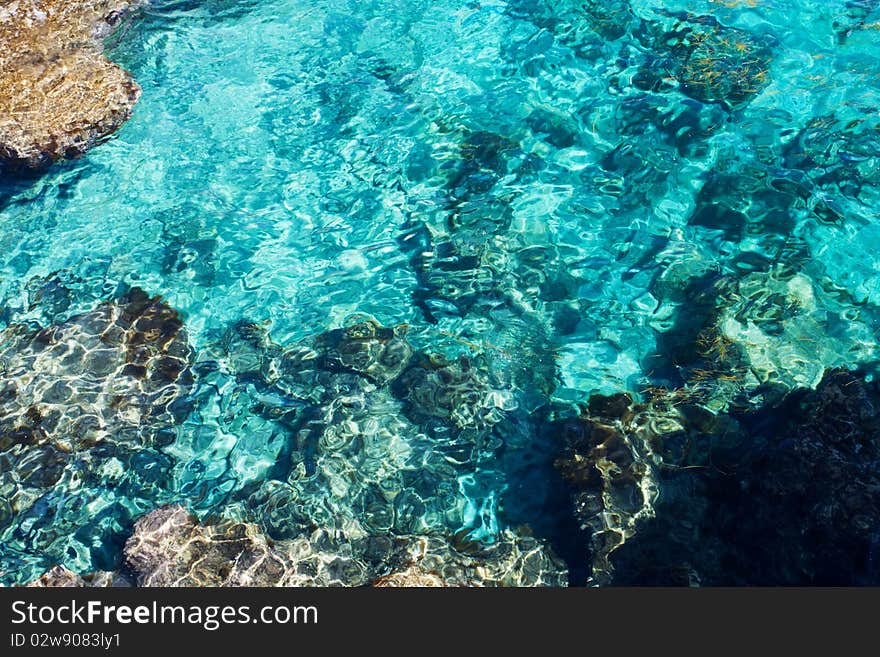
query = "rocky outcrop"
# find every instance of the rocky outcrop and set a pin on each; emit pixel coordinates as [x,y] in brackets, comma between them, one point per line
[412,577]
[170,547]
[81,398]
[346,503]
[61,577]
[785,493]
[59,95]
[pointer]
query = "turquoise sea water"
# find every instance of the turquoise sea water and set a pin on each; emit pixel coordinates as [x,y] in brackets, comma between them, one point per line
[532,185]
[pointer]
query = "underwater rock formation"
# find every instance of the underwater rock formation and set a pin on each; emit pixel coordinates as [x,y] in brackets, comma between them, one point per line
[81,402]
[59,95]
[346,504]
[169,547]
[456,392]
[362,359]
[735,205]
[610,19]
[581,26]
[511,560]
[773,318]
[813,491]
[750,335]
[468,262]
[377,353]
[412,577]
[61,577]
[118,373]
[490,279]
[839,155]
[458,274]
[471,265]
[382,439]
[608,469]
[710,62]
[782,494]
[363,351]
[376,434]
[854,18]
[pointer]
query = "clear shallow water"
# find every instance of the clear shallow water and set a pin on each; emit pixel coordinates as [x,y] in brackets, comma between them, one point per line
[533,185]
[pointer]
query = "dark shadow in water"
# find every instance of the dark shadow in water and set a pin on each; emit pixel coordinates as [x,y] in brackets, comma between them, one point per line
[537,501]
[24,185]
[794,504]
[780,494]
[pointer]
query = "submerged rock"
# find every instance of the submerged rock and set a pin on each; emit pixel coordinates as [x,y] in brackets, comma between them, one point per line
[61,577]
[839,156]
[458,274]
[748,336]
[855,17]
[608,469]
[377,353]
[380,439]
[81,403]
[512,560]
[412,577]
[459,393]
[360,356]
[118,374]
[59,95]
[787,493]
[342,368]
[345,440]
[582,26]
[709,61]
[806,507]
[169,547]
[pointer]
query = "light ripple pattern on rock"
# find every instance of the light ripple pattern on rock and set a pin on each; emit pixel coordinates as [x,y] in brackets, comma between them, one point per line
[59,95]
[85,406]
[61,577]
[170,547]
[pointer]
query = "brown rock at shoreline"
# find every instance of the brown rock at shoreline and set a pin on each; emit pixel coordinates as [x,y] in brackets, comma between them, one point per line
[59,95]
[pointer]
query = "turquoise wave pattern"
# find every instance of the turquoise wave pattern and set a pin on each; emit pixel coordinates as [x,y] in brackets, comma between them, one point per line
[599,276]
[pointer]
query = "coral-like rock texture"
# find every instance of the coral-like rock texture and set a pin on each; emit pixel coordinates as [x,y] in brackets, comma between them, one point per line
[782,494]
[61,577]
[114,374]
[457,392]
[412,577]
[170,547]
[608,469]
[82,394]
[59,95]
[366,348]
